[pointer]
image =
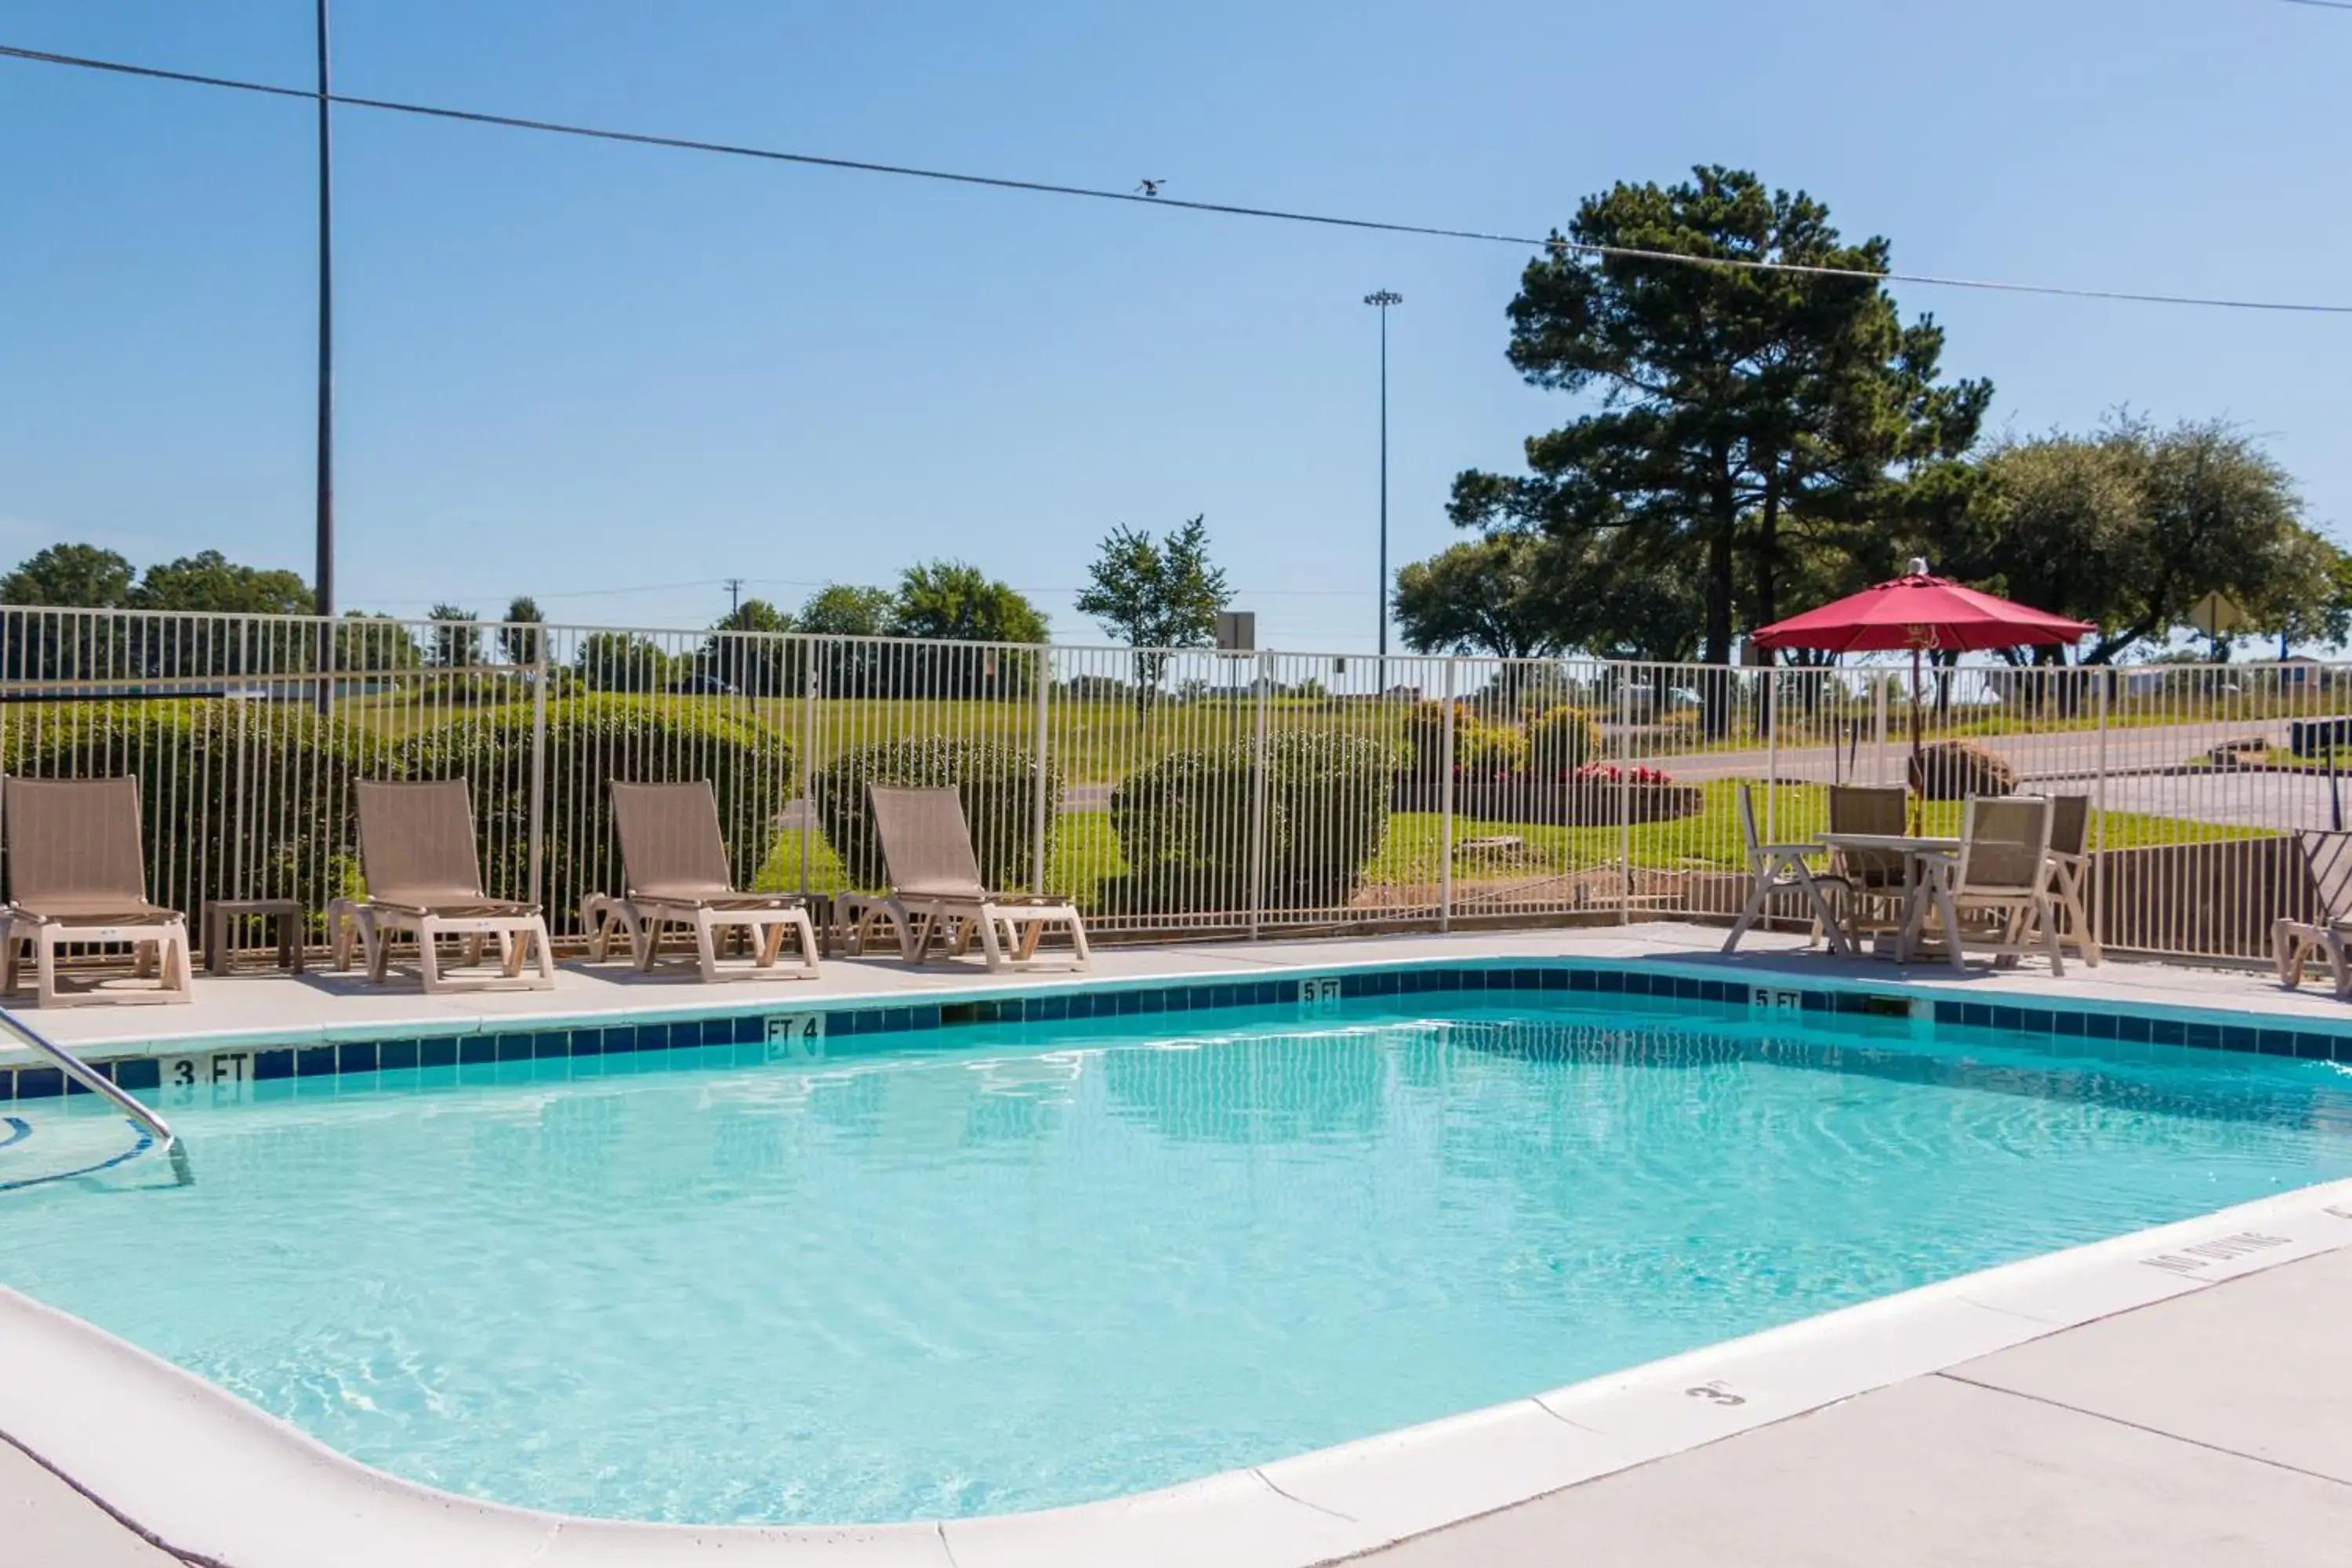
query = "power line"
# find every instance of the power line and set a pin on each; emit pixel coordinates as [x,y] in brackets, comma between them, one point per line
[1554,244]
[2324,5]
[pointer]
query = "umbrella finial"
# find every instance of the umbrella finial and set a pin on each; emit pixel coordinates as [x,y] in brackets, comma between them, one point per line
[1918,566]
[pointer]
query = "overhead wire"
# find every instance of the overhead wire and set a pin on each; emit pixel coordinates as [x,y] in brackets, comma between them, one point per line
[1553,244]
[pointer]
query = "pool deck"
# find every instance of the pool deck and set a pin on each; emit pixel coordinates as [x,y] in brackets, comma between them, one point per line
[2215,1427]
[252,1007]
[2182,1396]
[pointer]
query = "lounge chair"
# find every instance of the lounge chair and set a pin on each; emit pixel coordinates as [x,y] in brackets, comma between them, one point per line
[2000,868]
[2328,856]
[417,854]
[77,873]
[935,892]
[1777,869]
[674,866]
[1877,881]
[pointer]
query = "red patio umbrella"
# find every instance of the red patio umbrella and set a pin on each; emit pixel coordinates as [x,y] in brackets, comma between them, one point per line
[1919,612]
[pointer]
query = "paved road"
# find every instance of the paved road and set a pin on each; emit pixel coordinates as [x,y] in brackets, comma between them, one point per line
[2135,760]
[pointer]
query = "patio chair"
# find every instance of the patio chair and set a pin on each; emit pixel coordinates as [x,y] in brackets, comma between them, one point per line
[2000,868]
[935,892]
[418,855]
[1877,881]
[2328,856]
[675,871]
[2070,863]
[77,874]
[1777,869]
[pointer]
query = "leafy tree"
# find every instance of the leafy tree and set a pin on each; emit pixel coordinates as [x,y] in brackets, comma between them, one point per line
[51,648]
[1736,406]
[760,664]
[849,669]
[520,636]
[1482,598]
[75,576]
[621,661]
[1152,596]
[369,643]
[954,601]
[2131,526]
[838,609]
[456,637]
[208,583]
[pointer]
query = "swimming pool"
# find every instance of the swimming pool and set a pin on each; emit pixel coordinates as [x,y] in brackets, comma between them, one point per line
[985,1268]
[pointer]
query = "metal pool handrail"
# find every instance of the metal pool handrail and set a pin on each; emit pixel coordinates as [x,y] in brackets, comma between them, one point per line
[90,1078]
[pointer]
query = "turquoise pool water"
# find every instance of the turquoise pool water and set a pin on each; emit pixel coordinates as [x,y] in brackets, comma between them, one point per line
[985,1270]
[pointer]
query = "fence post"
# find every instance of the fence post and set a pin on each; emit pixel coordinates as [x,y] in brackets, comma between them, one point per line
[1771,750]
[1446,807]
[1257,807]
[1037,819]
[812,683]
[2099,821]
[1878,727]
[538,760]
[1625,795]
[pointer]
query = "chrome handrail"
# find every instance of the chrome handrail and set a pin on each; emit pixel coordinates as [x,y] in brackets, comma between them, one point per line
[90,1078]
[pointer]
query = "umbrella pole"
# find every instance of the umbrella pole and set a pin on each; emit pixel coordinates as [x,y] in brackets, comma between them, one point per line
[1919,775]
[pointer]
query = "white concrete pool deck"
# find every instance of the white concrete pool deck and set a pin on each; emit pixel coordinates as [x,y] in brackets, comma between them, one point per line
[286,1009]
[2176,1396]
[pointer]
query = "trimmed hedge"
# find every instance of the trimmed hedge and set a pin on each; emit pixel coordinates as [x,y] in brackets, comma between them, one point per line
[254,798]
[590,741]
[1560,741]
[999,784]
[235,798]
[1955,770]
[1184,825]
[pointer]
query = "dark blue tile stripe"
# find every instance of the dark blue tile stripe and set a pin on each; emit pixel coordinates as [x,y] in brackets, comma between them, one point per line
[526,1046]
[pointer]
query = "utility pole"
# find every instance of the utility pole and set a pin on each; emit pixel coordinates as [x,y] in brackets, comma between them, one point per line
[323,581]
[1381,301]
[734,596]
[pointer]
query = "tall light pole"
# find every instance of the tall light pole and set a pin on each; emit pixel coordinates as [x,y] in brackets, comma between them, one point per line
[1381,301]
[323,585]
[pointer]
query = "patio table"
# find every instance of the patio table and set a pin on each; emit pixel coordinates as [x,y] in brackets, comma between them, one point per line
[1910,846]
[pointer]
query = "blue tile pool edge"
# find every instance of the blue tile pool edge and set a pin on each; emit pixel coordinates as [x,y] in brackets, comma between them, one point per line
[392,1047]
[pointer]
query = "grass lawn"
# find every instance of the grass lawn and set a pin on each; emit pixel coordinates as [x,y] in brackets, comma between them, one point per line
[1085,851]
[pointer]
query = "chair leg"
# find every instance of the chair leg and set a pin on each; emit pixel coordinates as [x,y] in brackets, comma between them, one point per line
[2046,917]
[1750,912]
[429,955]
[1951,917]
[1085,958]
[706,953]
[989,947]
[45,966]
[179,966]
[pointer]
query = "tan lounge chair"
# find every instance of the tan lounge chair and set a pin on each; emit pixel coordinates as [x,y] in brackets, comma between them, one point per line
[2001,867]
[2070,863]
[77,873]
[935,892]
[417,851]
[674,865]
[1779,868]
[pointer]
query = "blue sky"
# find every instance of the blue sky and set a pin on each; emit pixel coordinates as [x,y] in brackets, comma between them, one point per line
[610,376]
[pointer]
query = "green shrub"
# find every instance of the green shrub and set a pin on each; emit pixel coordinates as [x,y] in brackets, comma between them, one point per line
[998,782]
[236,797]
[592,740]
[1560,741]
[1184,825]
